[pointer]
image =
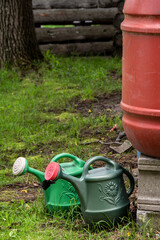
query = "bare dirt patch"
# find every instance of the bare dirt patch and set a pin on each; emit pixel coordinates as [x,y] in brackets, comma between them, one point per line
[106,104]
[18,191]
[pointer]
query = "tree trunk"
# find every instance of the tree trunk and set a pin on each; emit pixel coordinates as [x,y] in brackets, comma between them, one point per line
[18,44]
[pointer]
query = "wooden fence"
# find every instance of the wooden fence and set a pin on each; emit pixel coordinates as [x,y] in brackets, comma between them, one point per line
[94,26]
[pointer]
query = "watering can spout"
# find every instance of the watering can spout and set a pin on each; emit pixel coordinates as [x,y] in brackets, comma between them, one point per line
[21,166]
[79,185]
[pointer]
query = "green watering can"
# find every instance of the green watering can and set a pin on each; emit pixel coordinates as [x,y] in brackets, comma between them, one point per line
[62,194]
[101,191]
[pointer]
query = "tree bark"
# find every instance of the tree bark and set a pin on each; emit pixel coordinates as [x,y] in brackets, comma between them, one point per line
[18,44]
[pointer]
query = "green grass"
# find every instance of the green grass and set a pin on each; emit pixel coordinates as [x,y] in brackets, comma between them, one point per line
[31,221]
[56,26]
[40,108]
[39,118]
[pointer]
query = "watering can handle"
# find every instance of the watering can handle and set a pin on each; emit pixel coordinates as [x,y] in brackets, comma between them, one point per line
[68,155]
[131,179]
[113,164]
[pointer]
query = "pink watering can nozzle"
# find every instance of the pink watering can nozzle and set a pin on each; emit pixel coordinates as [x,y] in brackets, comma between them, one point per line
[52,173]
[20,166]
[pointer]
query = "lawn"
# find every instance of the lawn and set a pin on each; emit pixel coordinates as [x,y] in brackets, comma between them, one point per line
[62,105]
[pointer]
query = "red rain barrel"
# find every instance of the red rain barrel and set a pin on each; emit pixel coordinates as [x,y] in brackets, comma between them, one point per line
[141,75]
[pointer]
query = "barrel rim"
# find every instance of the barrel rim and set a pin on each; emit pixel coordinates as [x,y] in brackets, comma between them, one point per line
[139,110]
[141,24]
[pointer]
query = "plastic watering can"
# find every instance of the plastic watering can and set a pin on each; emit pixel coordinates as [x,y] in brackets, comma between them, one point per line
[101,191]
[61,194]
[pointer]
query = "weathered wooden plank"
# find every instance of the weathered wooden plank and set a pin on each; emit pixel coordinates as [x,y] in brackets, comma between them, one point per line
[118,51]
[41,4]
[67,16]
[118,39]
[63,4]
[107,3]
[118,20]
[81,49]
[121,6]
[86,33]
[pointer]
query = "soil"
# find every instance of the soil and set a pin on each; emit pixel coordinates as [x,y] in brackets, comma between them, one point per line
[109,105]
[18,191]
[106,104]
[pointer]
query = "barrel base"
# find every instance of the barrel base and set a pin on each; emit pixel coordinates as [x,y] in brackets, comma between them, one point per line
[143,132]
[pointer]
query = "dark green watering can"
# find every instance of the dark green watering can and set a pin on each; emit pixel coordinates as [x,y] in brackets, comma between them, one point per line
[62,194]
[101,191]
